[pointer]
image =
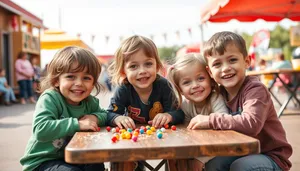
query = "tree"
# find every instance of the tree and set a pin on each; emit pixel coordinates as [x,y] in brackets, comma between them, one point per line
[168,53]
[280,38]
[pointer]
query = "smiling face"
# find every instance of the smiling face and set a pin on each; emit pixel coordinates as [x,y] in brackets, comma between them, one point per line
[75,86]
[229,69]
[195,83]
[141,71]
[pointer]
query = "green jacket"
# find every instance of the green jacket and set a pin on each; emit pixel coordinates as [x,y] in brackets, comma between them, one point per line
[55,122]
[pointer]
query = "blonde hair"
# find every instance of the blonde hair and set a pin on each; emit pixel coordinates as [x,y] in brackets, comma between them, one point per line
[128,47]
[174,76]
[62,63]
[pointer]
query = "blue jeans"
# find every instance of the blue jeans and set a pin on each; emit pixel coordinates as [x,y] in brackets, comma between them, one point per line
[25,88]
[61,165]
[8,93]
[255,162]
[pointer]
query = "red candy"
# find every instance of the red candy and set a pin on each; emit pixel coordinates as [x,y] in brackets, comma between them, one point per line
[173,127]
[114,139]
[166,126]
[98,129]
[117,129]
[108,128]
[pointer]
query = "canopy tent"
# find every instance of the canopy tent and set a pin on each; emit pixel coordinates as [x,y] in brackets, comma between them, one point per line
[56,39]
[250,10]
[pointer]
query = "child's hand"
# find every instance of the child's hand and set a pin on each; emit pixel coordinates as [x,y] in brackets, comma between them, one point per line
[196,165]
[199,121]
[86,124]
[125,121]
[161,119]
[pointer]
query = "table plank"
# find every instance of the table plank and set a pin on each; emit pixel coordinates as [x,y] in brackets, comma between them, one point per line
[270,72]
[96,147]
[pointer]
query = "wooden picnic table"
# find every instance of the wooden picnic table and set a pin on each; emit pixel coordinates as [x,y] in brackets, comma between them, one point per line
[97,147]
[292,91]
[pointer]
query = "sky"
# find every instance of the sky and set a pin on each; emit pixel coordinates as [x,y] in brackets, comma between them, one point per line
[123,18]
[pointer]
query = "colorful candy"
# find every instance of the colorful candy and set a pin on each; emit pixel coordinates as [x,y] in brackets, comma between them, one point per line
[152,129]
[136,133]
[149,132]
[117,136]
[159,135]
[108,128]
[134,138]
[129,130]
[128,134]
[114,139]
[166,126]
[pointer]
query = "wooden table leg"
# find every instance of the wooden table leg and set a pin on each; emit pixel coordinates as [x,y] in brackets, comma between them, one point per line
[122,166]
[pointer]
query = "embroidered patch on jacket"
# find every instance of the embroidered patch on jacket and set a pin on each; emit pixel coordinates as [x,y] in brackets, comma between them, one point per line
[115,107]
[58,143]
[157,108]
[134,113]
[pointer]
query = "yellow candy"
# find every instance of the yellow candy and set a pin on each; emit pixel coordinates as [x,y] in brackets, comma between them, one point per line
[153,129]
[123,135]
[149,132]
[128,136]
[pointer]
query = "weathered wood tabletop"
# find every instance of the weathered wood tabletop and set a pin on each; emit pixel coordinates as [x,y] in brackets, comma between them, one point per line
[96,147]
[270,72]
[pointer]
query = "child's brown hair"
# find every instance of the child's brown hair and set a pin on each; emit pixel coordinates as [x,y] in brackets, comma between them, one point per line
[218,42]
[62,62]
[128,47]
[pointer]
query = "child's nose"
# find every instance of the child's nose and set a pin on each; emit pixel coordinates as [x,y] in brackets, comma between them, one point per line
[142,70]
[226,67]
[78,82]
[195,84]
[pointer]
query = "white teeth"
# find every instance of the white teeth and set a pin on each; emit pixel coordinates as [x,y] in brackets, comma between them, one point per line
[197,92]
[77,91]
[228,76]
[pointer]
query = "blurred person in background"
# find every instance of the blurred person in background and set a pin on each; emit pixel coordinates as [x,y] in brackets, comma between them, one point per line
[281,63]
[265,79]
[37,74]
[24,75]
[8,92]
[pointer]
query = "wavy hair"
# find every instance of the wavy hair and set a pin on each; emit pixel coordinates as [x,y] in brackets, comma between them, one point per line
[174,77]
[128,47]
